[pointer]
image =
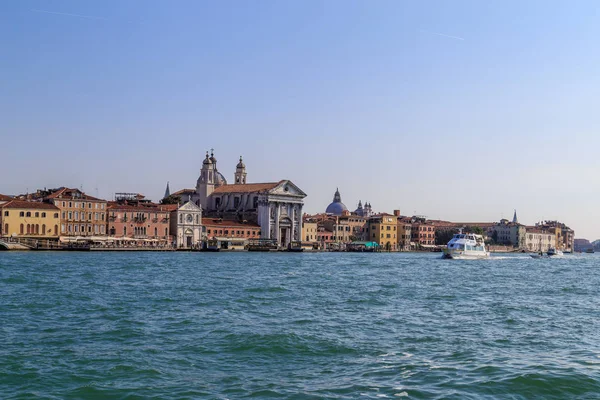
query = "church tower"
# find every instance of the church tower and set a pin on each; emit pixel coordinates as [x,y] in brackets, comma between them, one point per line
[240,173]
[206,182]
[515,219]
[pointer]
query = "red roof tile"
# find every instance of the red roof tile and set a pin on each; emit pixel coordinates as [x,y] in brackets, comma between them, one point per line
[29,205]
[65,193]
[247,188]
[5,198]
[183,191]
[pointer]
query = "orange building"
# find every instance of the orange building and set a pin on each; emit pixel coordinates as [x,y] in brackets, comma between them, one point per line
[80,214]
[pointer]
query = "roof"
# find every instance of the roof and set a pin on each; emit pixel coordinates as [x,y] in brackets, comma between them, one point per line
[29,205]
[183,191]
[5,198]
[247,187]
[148,207]
[65,193]
[228,223]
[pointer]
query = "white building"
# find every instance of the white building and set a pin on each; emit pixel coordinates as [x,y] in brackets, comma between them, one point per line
[539,239]
[186,223]
[275,206]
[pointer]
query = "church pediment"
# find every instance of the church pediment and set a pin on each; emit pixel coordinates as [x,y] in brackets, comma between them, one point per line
[189,206]
[287,188]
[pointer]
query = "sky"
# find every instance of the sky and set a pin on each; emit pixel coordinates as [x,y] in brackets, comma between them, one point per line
[456,110]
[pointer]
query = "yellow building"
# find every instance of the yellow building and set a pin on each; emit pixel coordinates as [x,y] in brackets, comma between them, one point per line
[383,229]
[309,231]
[29,219]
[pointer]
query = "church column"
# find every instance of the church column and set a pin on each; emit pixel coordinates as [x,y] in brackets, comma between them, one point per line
[277,233]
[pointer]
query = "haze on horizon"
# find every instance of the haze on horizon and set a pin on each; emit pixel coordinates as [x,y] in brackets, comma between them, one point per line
[455,110]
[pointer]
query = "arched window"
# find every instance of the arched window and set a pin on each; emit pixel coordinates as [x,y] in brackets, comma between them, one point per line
[37,214]
[55,230]
[55,215]
[124,231]
[28,229]
[180,218]
[37,229]
[43,229]
[22,214]
[21,231]
[6,229]
[155,231]
[28,214]
[166,232]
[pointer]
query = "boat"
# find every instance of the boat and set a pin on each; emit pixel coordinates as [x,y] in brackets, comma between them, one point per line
[262,245]
[466,246]
[211,245]
[295,247]
[537,255]
[552,252]
[590,251]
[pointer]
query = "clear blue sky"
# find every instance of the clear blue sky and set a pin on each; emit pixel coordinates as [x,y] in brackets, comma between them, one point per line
[461,110]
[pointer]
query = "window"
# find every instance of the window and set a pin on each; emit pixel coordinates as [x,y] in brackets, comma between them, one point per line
[155,231]
[43,229]
[70,228]
[6,213]
[166,232]
[76,228]
[28,213]
[6,229]
[70,205]
[21,229]
[236,202]
[63,204]
[89,205]
[55,230]
[76,215]
[43,215]
[255,202]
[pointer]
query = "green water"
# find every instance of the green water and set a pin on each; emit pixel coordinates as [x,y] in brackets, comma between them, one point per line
[297,326]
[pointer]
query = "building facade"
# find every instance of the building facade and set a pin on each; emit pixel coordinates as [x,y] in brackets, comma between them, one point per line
[139,222]
[537,239]
[186,226]
[29,220]
[383,229]
[309,231]
[80,214]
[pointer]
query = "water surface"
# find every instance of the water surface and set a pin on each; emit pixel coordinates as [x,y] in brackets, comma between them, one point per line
[297,326]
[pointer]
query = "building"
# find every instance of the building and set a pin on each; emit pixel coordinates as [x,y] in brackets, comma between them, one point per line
[423,232]
[507,233]
[383,229]
[565,236]
[537,239]
[404,233]
[29,219]
[276,207]
[309,230]
[336,207]
[230,234]
[150,222]
[80,214]
[186,225]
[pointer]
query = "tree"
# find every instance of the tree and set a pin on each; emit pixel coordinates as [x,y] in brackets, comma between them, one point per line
[172,199]
[442,237]
[475,229]
[495,237]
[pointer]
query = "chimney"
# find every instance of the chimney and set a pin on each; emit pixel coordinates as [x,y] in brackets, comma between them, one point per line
[396,213]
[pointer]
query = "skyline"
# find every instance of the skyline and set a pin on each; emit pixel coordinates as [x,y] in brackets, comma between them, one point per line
[394,104]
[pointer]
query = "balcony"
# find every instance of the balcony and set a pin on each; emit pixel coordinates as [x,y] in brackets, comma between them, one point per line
[139,220]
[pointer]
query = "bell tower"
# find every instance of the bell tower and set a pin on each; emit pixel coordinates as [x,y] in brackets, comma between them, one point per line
[240,173]
[206,182]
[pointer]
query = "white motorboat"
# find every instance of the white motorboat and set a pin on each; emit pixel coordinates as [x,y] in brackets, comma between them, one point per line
[466,246]
[552,252]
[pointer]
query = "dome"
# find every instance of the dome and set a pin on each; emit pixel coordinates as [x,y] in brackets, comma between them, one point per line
[220,179]
[336,207]
[207,160]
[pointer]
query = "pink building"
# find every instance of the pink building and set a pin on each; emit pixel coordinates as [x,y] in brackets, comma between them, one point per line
[142,222]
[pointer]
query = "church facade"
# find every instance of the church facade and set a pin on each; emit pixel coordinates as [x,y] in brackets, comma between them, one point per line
[275,206]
